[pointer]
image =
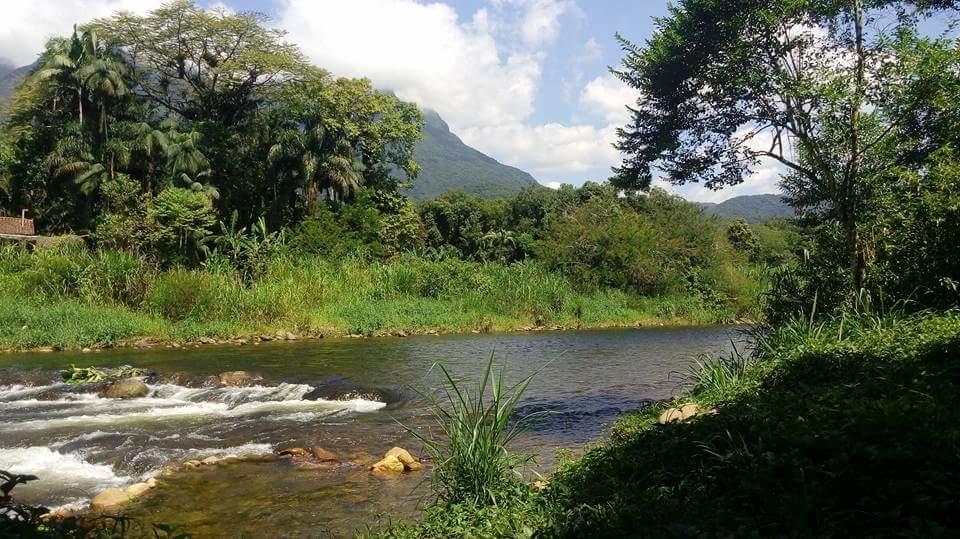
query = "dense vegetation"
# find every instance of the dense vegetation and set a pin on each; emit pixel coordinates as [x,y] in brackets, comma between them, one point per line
[576,258]
[222,186]
[838,422]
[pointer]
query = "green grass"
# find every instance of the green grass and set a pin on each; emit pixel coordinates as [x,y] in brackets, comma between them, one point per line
[78,299]
[472,460]
[841,428]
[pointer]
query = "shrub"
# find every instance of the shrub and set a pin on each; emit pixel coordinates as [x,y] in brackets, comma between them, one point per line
[473,461]
[182,295]
[117,277]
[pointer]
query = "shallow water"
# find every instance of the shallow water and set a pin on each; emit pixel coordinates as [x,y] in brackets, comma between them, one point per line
[349,396]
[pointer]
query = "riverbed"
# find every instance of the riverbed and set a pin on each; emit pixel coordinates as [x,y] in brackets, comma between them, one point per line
[355,397]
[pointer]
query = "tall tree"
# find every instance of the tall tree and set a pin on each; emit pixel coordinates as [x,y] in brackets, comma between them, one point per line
[726,84]
[204,64]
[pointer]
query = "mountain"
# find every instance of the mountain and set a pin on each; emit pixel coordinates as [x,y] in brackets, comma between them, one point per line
[752,208]
[447,163]
[9,76]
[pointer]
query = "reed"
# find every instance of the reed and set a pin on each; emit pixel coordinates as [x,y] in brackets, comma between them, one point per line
[473,460]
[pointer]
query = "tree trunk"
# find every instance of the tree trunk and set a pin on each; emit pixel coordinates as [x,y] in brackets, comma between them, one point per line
[850,209]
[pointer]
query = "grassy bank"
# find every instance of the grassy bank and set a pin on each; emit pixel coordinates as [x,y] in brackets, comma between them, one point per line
[72,300]
[848,428]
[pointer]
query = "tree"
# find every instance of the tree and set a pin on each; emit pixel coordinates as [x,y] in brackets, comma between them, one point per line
[204,64]
[728,83]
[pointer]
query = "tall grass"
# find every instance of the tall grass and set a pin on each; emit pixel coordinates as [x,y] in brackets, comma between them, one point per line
[311,295]
[473,461]
[718,376]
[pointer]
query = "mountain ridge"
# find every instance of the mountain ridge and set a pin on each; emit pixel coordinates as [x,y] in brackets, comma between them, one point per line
[752,208]
[447,164]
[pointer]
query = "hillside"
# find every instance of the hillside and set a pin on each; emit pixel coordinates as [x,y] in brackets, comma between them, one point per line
[447,164]
[752,208]
[9,76]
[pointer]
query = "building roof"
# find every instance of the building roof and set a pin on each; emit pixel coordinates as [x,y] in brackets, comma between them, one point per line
[16,225]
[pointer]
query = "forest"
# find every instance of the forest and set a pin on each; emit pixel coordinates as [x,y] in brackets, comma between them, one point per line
[199,178]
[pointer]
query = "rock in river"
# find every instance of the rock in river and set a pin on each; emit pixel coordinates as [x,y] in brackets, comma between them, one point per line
[396,461]
[237,378]
[109,498]
[129,388]
[323,455]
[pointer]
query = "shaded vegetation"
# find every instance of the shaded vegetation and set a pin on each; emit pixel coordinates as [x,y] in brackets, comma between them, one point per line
[848,421]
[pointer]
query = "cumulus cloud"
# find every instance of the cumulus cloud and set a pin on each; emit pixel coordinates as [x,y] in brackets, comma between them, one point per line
[423,52]
[608,97]
[27,25]
[540,23]
[549,150]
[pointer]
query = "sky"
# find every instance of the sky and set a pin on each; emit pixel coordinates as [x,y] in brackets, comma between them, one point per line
[525,81]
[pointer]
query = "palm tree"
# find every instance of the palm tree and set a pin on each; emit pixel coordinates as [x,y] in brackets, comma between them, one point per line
[73,157]
[340,170]
[316,159]
[63,63]
[104,78]
[147,148]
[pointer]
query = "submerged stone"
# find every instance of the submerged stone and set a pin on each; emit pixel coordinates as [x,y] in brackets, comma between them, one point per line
[237,378]
[109,498]
[126,389]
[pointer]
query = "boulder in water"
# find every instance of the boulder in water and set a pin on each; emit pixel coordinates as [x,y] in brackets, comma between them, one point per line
[396,461]
[129,388]
[293,452]
[136,489]
[323,455]
[402,455]
[210,460]
[237,378]
[388,465]
[109,498]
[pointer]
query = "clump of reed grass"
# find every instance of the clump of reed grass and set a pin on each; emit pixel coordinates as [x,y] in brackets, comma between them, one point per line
[473,462]
[718,375]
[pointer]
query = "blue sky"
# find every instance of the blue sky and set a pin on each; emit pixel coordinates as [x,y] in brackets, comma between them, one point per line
[524,81]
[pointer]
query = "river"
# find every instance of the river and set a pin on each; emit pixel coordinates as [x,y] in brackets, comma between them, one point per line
[350,396]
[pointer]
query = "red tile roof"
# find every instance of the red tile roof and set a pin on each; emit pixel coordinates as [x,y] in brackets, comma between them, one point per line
[16,225]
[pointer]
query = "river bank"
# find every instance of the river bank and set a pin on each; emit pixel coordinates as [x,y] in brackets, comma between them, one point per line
[145,342]
[348,396]
[51,301]
[851,421]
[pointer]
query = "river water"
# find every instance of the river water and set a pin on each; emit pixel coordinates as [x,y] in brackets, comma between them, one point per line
[351,396]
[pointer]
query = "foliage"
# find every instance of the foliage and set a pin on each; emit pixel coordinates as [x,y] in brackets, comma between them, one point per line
[849,420]
[84,375]
[183,219]
[790,81]
[197,99]
[473,463]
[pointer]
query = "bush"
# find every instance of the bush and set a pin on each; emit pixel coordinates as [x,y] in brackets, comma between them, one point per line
[117,277]
[186,295]
[473,463]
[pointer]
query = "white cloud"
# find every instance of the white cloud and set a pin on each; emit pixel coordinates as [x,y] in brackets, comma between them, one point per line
[460,68]
[540,22]
[570,152]
[423,52]
[608,97]
[27,25]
